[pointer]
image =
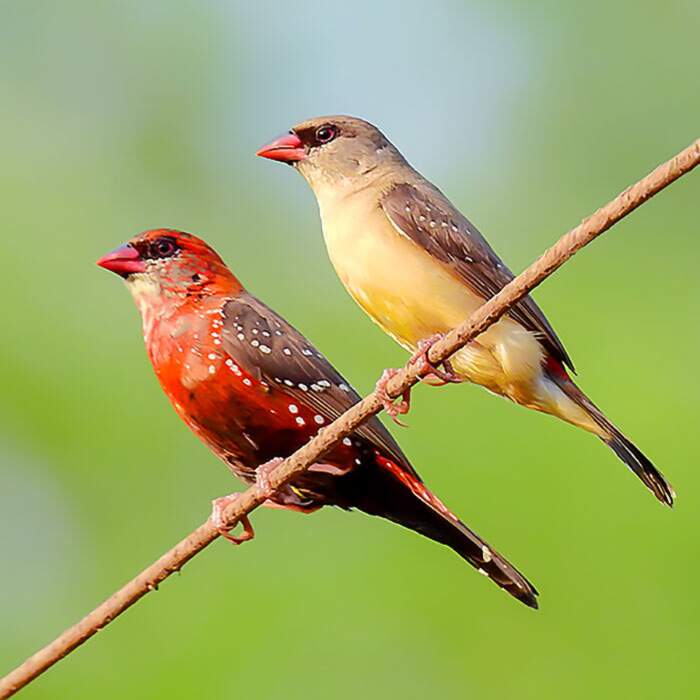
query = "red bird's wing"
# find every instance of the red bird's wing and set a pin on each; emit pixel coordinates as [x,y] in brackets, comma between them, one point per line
[431,222]
[270,349]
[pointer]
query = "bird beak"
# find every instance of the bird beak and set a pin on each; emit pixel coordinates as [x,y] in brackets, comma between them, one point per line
[287,148]
[124,260]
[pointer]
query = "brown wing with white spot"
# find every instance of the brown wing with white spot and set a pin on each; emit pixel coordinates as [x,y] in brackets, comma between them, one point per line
[270,349]
[430,221]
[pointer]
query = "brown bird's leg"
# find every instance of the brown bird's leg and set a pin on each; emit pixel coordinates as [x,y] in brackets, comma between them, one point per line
[394,407]
[447,376]
[218,507]
[420,356]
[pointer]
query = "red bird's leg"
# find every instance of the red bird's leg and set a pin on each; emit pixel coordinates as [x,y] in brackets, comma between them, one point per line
[218,506]
[262,476]
[392,406]
[420,356]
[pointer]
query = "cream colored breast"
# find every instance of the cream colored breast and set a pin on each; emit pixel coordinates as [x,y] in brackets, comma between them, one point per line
[396,282]
[412,296]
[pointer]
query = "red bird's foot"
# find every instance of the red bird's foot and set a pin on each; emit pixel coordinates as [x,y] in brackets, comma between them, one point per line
[262,476]
[218,506]
[428,369]
[394,407]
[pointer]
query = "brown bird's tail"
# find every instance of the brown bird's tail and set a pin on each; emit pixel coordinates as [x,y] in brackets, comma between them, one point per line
[621,445]
[400,497]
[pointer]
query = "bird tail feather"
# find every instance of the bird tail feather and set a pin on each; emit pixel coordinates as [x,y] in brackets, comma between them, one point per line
[620,444]
[400,497]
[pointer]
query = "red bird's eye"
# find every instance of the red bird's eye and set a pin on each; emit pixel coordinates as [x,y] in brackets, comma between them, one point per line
[326,133]
[164,248]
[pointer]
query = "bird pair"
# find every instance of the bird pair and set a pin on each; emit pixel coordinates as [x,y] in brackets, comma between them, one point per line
[254,390]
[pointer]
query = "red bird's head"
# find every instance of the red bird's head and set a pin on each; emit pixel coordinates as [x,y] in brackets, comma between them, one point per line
[164,265]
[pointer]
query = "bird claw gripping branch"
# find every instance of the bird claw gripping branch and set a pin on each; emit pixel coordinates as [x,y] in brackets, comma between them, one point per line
[262,476]
[394,407]
[427,368]
[218,506]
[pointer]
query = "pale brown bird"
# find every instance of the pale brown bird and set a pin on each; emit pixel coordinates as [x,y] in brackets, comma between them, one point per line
[419,268]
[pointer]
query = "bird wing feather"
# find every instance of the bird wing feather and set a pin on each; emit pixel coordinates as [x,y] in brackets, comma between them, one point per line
[270,349]
[430,221]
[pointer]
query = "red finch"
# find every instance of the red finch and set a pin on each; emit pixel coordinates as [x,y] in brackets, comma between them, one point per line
[254,390]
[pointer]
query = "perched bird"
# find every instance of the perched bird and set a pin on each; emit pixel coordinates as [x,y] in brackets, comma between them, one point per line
[419,268]
[254,390]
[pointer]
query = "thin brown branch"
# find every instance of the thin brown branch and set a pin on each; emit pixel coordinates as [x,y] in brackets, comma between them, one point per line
[488,314]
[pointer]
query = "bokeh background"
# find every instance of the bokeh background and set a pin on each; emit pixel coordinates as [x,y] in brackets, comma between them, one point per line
[121,116]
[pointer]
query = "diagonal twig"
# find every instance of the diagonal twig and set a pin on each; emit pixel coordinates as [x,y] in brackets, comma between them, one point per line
[486,315]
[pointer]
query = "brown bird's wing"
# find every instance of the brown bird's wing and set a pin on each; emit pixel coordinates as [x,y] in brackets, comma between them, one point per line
[431,222]
[270,349]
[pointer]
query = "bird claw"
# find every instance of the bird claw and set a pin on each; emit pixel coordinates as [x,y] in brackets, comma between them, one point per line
[394,407]
[218,506]
[262,476]
[427,368]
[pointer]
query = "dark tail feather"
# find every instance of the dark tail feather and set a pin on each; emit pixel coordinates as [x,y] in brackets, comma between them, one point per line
[633,457]
[399,497]
[629,453]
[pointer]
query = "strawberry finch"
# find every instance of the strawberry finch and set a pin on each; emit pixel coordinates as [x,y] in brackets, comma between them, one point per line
[254,390]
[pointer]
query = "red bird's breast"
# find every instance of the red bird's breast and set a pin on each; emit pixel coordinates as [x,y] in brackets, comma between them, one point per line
[237,413]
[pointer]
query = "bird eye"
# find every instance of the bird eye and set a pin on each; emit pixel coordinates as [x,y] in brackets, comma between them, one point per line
[326,133]
[164,248]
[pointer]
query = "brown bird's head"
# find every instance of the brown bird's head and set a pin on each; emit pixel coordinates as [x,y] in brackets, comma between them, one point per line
[165,264]
[329,151]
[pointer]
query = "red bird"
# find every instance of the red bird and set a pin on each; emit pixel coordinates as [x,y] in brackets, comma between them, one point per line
[254,390]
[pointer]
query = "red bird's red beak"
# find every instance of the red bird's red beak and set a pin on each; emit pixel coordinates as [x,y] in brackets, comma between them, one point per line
[123,260]
[287,149]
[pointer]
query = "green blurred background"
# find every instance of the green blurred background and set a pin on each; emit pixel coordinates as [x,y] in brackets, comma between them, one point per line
[121,116]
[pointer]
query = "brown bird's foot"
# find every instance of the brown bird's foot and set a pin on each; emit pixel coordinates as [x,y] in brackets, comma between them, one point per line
[428,369]
[218,506]
[394,407]
[262,476]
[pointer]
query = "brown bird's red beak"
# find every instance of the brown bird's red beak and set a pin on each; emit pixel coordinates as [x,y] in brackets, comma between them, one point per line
[123,260]
[287,149]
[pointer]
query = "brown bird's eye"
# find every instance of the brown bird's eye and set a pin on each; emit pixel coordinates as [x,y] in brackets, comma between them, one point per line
[326,133]
[164,248]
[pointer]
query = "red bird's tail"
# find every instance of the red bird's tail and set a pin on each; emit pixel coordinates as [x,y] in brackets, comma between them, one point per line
[403,499]
[620,444]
